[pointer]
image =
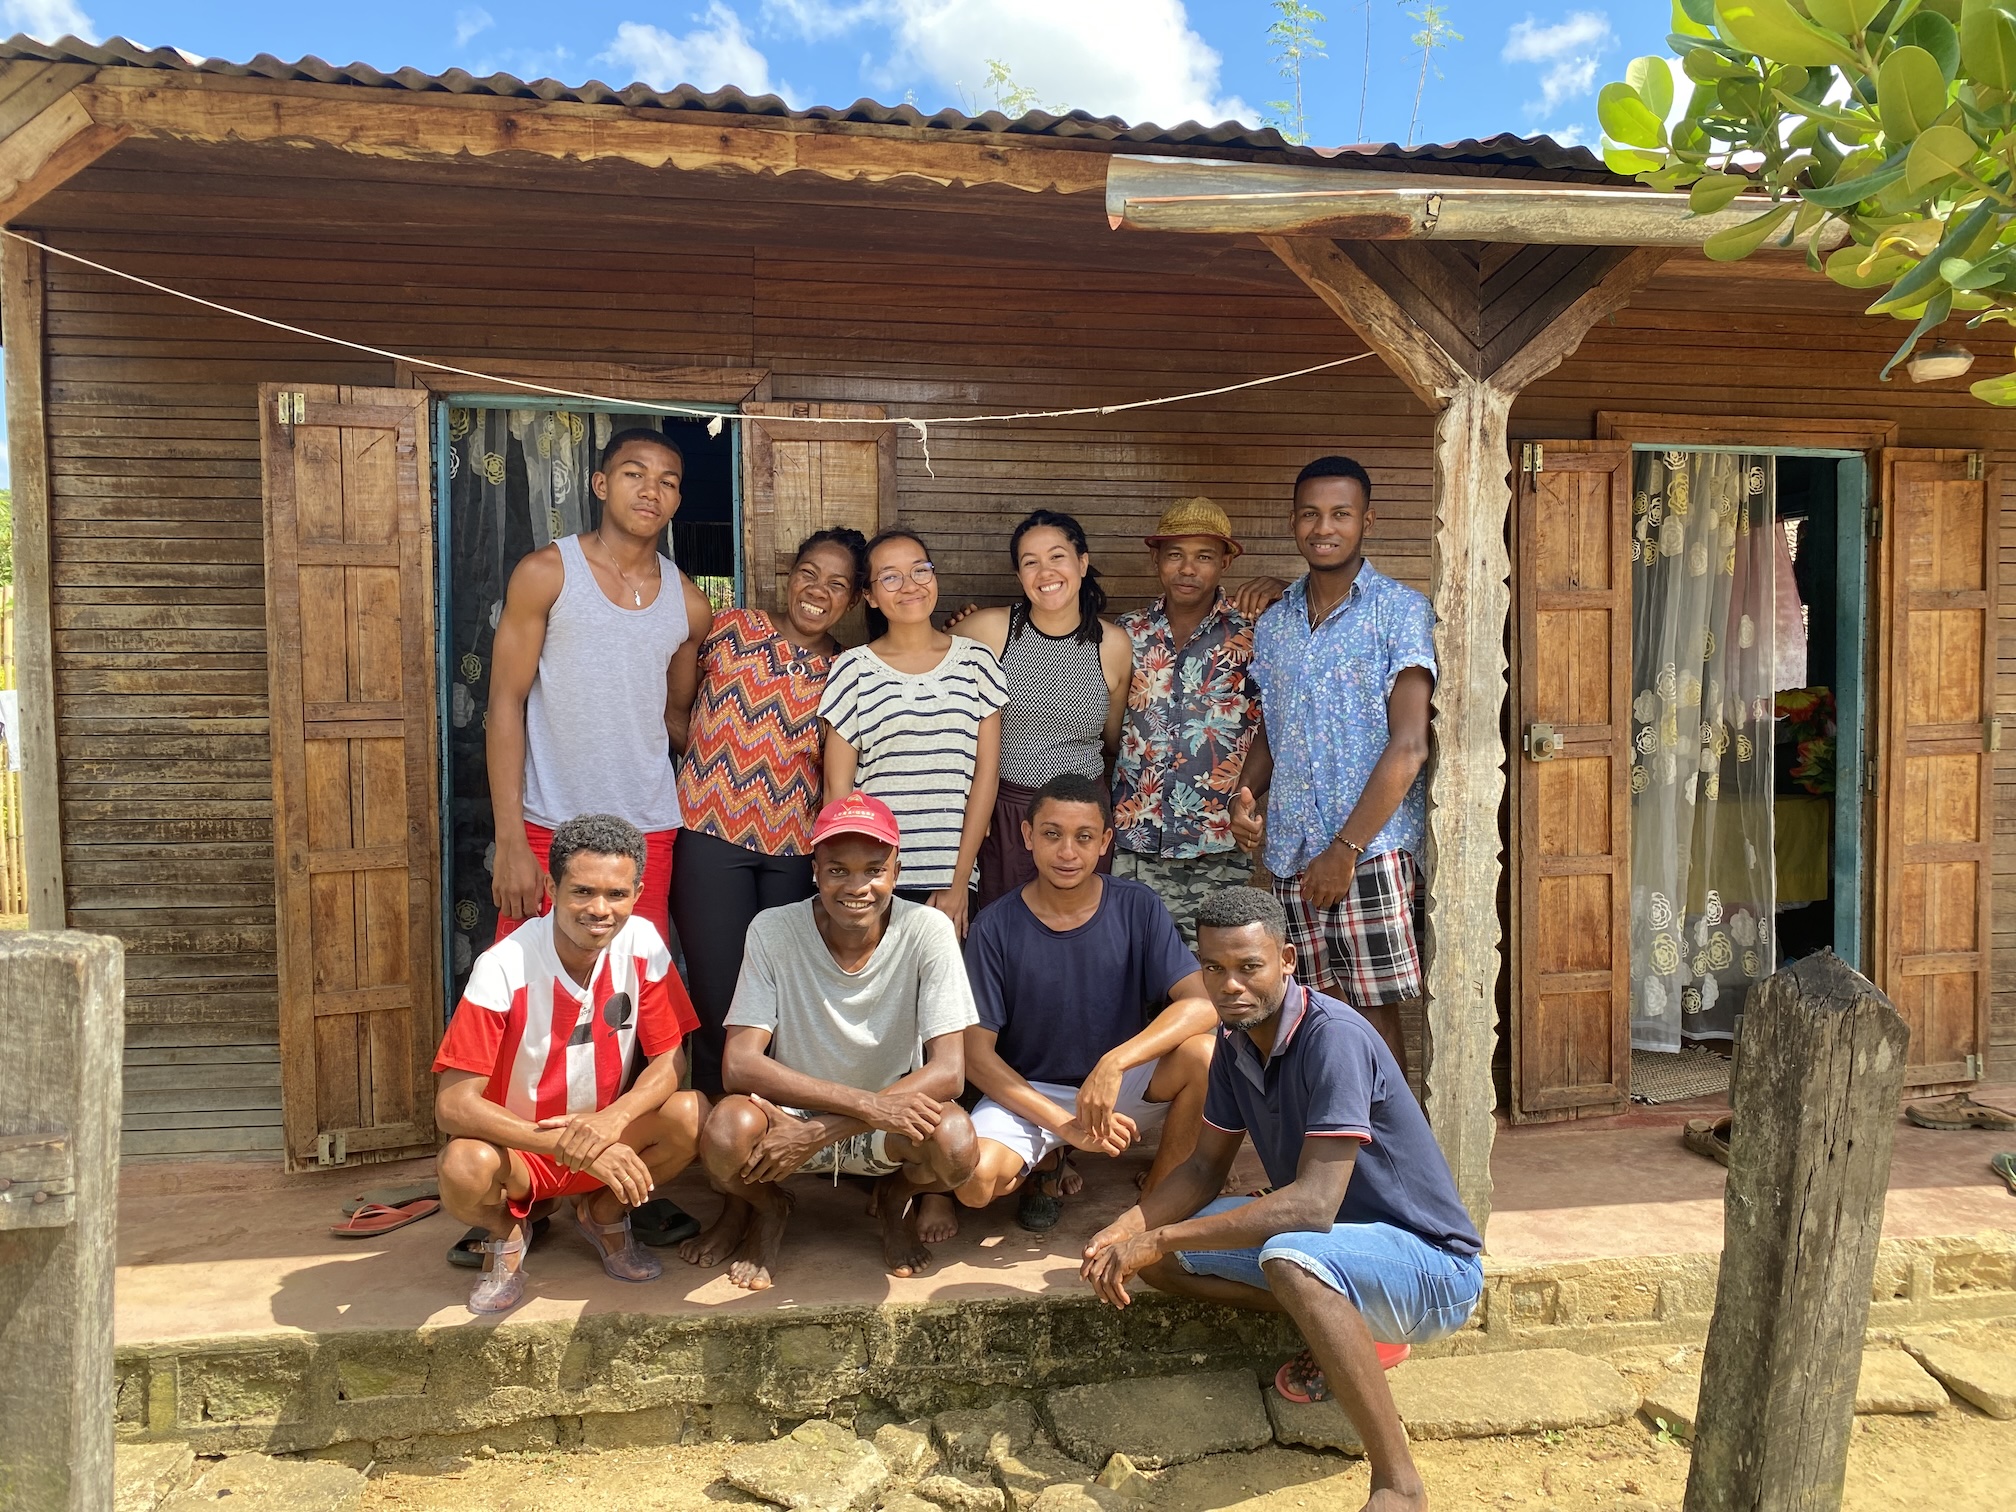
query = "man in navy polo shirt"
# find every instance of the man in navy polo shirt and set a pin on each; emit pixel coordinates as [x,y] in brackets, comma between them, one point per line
[1362,1241]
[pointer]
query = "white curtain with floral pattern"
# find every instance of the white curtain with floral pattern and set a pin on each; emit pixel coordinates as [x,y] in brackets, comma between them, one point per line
[1702,868]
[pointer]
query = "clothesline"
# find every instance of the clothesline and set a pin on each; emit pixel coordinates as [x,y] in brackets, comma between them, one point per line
[714,418]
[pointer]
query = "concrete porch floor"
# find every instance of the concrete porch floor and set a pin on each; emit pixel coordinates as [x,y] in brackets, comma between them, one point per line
[211,1251]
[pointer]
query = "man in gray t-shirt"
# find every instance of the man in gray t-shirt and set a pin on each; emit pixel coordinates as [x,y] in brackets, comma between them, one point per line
[844,1054]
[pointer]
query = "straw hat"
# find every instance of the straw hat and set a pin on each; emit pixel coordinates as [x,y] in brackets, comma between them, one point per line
[1196,516]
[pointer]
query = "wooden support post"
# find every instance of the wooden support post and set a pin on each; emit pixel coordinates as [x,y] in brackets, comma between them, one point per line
[62,1017]
[1427,311]
[22,328]
[1819,1071]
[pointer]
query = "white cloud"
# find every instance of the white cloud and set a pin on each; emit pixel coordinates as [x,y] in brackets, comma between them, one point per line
[1134,58]
[708,57]
[815,20]
[46,20]
[1567,54]
[471,22]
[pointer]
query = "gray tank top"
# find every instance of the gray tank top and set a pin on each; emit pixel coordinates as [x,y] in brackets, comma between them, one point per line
[595,721]
[1055,717]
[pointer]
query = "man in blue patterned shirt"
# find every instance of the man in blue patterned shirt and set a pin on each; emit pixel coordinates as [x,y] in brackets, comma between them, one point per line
[1333,793]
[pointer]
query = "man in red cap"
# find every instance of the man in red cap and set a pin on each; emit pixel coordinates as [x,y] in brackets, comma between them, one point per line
[837,995]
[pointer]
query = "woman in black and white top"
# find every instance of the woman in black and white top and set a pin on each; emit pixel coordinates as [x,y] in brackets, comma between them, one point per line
[1066,671]
[914,718]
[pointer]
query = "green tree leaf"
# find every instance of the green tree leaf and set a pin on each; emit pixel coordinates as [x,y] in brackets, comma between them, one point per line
[1936,35]
[1936,311]
[1845,16]
[1699,13]
[1851,192]
[1910,92]
[1715,191]
[1940,152]
[1773,29]
[1628,161]
[1627,119]
[1705,66]
[1653,79]
[1988,45]
[1999,390]
[1844,266]
[1738,242]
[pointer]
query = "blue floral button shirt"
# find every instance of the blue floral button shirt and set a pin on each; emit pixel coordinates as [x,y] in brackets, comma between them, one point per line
[1191,713]
[1323,693]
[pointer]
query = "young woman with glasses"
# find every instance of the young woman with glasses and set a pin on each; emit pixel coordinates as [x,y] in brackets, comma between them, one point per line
[914,719]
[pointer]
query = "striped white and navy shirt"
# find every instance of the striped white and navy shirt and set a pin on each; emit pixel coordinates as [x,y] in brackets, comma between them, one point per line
[916,735]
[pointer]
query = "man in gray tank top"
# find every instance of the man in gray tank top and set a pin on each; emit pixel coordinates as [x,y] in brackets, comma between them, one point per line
[594,668]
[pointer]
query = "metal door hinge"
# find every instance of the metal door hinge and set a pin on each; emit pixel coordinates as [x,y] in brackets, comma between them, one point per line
[1991,735]
[1532,459]
[1875,522]
[1974,468]
[292,405]
[1869,775]
[1541,743]
[332,1149]
[1974,1068]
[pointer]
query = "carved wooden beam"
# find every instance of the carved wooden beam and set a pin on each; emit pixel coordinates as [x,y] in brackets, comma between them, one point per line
[59,141]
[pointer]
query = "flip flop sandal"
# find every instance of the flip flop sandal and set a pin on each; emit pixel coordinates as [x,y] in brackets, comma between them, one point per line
[373,1218]
[2005,1167]
[1708,1136]
[617,1247]
[499,1290]
[392,1196]
[1301,1379]
[1041,1204]
[1959,1112]
[662,1223]
[466,1253]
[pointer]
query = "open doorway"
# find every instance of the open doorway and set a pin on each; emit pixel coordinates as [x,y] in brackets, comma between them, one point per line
[509,481]
[1747,647]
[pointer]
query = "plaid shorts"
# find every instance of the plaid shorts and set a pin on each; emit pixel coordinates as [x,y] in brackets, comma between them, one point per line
[1366,949]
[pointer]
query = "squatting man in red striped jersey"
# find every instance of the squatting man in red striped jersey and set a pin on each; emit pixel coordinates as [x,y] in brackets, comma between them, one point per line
[541,1091]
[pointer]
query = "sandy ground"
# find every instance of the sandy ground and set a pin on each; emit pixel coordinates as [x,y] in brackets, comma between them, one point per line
[1957,1461]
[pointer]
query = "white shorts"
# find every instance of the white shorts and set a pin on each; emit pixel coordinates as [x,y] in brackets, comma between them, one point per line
[1033,1142]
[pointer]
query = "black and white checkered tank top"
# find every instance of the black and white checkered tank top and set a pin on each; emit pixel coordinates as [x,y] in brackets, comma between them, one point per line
[1055,717]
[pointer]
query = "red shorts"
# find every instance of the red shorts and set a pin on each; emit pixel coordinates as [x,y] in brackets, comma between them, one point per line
[549,1179]
[654,900]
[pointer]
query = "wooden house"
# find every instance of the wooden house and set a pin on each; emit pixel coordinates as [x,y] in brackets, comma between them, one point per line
[238,619]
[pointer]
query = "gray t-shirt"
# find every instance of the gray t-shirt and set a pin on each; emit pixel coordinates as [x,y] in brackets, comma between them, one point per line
[863,1029]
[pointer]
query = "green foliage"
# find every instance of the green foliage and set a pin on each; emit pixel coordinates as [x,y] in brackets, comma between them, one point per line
[1294,38]
[1434,34]
[1891,120]
[1010,98]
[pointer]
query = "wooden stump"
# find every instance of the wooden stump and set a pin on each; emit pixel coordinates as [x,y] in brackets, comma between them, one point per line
[62,1017]
[1820,1068]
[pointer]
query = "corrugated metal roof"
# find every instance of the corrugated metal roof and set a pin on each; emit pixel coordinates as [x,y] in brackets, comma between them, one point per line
[1505,150]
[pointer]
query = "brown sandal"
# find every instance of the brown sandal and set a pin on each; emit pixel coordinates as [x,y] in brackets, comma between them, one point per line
[1708,1136]
[1959,1112]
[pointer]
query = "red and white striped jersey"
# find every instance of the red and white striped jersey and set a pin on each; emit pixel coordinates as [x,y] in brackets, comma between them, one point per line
[550,1046]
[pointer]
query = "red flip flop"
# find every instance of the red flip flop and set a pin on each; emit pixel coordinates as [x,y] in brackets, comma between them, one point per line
[373,1218]
[1300,1381]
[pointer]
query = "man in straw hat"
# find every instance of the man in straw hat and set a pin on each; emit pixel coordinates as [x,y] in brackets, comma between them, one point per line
[1192,707]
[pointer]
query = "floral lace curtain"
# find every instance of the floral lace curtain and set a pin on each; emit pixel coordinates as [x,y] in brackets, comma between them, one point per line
[1702,675]
[517,480]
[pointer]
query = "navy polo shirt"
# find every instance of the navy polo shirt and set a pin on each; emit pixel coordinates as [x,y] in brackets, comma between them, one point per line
[1331,1076]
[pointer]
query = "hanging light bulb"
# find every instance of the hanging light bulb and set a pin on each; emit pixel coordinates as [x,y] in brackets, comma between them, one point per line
[1945,360]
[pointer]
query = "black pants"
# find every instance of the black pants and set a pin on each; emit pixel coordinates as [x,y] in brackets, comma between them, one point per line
[717,890]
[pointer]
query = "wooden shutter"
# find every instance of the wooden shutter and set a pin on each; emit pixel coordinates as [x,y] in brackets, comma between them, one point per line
[350,632]
[802,478]
[1571,1030]
[1936,628]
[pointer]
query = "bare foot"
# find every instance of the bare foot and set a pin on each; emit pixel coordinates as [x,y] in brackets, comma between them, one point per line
[754,1262]
[717,1241]
[903,1254]
[937,1218]
[1071,1183]
[1387,1499]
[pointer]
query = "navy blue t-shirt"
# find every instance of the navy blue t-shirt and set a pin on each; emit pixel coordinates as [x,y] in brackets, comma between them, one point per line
[1057,1000]
[1331,1075]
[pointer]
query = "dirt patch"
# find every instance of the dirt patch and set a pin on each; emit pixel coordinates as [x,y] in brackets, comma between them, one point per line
[1957,1459]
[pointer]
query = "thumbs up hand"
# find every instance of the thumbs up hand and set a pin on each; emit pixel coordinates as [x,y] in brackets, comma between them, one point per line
[1249,824]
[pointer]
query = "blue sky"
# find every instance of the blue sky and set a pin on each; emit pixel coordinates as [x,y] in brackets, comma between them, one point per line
[1516,68]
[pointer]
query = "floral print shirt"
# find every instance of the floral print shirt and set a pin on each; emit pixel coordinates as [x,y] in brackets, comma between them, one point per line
[1324,693]
[1191,713]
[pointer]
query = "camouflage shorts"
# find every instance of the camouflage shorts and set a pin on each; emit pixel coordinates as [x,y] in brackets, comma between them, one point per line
[1182,885]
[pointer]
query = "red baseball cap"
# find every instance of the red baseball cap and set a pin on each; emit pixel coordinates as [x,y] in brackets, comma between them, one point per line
[857,814]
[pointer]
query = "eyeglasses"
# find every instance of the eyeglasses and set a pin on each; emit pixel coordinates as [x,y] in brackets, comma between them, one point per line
[891,580]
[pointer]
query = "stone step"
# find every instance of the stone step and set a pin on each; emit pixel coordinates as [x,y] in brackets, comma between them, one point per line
[1985,1377]
[1474,1396]
[1891,1381]
[146,1475]
[258,1483]
[1160,1421]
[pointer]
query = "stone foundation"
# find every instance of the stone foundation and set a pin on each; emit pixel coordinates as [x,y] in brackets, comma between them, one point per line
[610,1380]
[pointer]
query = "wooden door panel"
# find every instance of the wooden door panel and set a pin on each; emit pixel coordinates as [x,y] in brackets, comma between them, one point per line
[1936,624]
[802,478]
[1572,671]
[351,630]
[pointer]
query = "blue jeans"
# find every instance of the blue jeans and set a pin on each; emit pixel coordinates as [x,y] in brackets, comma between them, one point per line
[1407,1290]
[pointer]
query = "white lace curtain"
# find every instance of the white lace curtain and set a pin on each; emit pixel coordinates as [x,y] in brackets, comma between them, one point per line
[1702,683]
